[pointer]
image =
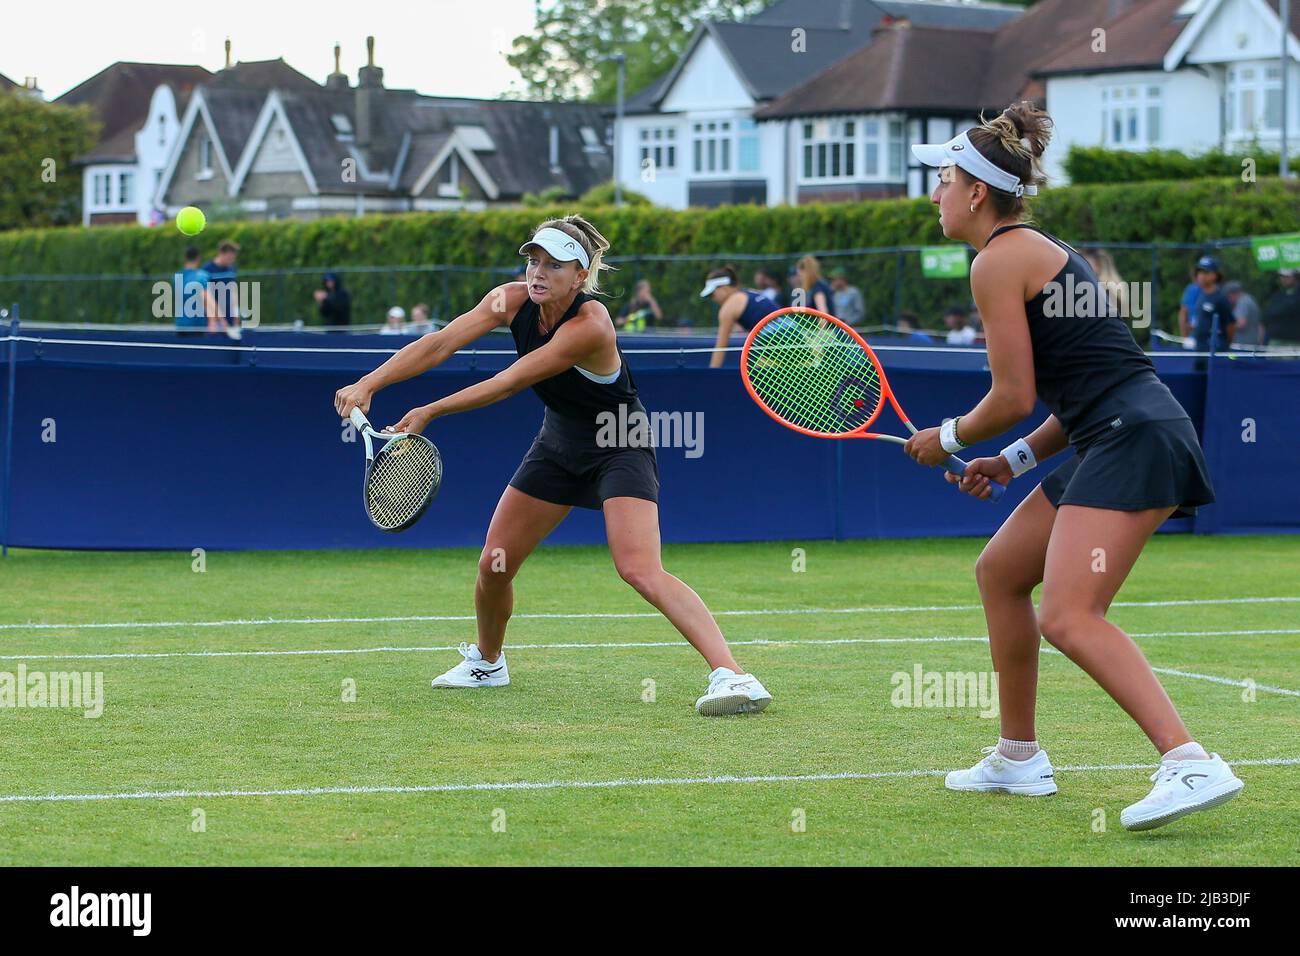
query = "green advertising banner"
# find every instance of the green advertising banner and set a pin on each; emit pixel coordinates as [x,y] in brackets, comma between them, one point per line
[1276,252]
[944,262]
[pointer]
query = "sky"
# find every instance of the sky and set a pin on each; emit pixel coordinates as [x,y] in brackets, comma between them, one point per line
[447,47]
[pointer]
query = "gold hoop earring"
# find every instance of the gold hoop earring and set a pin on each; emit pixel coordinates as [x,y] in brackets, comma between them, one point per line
[972,207]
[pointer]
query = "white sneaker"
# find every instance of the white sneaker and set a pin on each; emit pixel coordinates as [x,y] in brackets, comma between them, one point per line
[1030,778]
[732,693]
[1182,787]
[473,671]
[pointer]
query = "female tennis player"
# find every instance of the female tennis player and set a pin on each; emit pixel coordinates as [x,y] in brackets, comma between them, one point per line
[1136,463]
[569,355]
[736,306]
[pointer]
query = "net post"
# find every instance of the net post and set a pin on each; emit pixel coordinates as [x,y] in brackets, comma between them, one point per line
[11,388]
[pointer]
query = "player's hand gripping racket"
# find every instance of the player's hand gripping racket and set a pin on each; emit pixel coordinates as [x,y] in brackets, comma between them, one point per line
[401,478]
[815,374]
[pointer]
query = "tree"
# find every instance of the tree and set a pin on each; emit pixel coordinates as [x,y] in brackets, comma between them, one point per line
[563,57]
[38,142]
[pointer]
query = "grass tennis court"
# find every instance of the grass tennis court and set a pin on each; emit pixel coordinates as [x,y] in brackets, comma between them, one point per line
[203,702]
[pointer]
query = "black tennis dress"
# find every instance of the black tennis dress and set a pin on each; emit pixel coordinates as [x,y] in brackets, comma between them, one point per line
[590,447]
[1135,446]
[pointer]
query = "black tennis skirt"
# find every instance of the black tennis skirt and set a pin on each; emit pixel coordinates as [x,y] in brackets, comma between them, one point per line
[566,466]
[1135,467]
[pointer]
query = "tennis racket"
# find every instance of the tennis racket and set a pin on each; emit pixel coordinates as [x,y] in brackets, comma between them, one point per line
[401,478]
[815,374]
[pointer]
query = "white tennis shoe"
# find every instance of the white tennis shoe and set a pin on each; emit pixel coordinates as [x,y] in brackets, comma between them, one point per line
[473,671]
[1182,787]
[1029,778]
[732,693]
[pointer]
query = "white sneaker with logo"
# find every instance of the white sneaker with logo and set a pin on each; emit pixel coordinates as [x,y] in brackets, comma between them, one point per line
[1182,787]
[732,693]
[1029,778]
[473,671]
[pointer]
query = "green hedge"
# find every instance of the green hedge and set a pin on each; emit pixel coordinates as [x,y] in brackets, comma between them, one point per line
[483,244]
[1094,164]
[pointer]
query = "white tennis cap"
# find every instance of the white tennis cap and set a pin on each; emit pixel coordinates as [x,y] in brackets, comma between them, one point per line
[559,245]
[397,312]
[717,282]
[959,151]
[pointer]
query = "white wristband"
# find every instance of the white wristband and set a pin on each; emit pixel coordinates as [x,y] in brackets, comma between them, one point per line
[1020,457]
[948,437]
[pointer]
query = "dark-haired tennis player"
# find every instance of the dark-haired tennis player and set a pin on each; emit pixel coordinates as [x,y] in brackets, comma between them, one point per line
[736,306]
[569,355]
[1137,462]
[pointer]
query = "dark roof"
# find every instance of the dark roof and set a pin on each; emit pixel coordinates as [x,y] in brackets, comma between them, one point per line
[1029,41]
[1137,38]
[264,75]
[896,71]
[118,97]
[234,112]
[1295,15]
[6,83]
[922,13]
[644,99]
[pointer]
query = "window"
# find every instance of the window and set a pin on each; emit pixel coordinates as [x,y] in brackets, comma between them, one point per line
[747,147]
[871,148]
[103,188]
[205,154]
[124,181]
[162,131]
[658,148]
[896,149]
[1253,100]
[711,149]
[830,149]
[1130,116]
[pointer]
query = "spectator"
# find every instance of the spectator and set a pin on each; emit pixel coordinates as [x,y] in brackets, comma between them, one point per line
[817,294]
[1186,305]
[1103,264]
[221,286]
[957,319]
[420,321]
[1246,312]
[736,306]
[396,322]
[195,310]
[769,285]
[909,327]
[1212,322]
[333,301]
[1282,311]
[847,299]
[641,312]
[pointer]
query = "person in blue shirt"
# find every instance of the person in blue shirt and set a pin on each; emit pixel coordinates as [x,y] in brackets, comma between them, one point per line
[1211,317]
[736,306]
[909,327]
[193,302]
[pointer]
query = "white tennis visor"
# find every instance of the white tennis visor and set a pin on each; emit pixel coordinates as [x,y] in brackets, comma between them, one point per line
[959,151]
[560,246]
[717,282]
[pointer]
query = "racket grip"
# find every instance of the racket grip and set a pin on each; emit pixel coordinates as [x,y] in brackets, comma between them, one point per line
[359,420]
[958,468]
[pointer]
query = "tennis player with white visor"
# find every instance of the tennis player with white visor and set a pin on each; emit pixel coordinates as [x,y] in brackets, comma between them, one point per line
[569,356]
[1136,462]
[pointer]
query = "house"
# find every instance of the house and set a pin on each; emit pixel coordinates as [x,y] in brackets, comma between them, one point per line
[269,150]
[138,106]
[1189,75]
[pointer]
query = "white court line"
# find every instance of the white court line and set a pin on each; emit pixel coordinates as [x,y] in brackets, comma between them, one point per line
[431,649]
[1229,681]
[565,784]
[758,612]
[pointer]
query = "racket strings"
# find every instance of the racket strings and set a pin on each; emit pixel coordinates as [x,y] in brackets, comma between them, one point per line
[813,374]
[405,475]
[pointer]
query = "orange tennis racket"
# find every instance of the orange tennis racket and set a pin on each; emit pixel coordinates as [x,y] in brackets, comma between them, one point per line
[815,374]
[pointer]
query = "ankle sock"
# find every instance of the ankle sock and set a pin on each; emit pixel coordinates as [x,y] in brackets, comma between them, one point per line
[1188,751]
[1017,749]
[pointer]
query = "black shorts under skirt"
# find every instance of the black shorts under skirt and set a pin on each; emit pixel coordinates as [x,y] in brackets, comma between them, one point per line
[566,466]
[1136,467]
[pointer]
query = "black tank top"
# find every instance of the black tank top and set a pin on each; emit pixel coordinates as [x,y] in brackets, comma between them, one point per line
[571,394]
[1087,367]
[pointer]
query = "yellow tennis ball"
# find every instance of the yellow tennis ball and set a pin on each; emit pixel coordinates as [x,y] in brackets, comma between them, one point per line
[191,220]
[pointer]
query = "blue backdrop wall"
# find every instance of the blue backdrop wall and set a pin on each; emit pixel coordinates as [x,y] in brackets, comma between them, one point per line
[215,449]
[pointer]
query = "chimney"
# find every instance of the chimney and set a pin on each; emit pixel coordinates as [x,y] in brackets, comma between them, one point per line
[31,87]
[338,79]
[370,85]
[227,66]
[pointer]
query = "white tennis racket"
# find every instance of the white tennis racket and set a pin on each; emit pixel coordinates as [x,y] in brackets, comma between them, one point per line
[401,478]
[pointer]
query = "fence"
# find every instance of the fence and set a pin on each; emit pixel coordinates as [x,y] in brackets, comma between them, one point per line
[148,442]
[890,279]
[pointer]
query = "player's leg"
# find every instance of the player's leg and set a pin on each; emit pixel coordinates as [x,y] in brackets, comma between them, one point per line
[632,528]
[518,525]
[1008,570]
[1091,553]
